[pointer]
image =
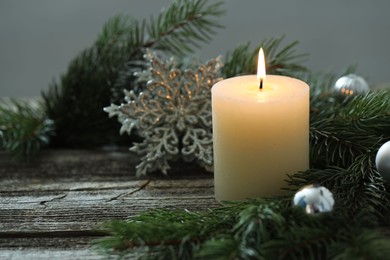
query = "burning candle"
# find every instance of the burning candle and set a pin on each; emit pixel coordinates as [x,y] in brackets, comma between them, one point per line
[260,133]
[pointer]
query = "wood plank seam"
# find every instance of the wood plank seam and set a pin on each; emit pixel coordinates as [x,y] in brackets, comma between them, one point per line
[141,187]
[58,233]
[43,202]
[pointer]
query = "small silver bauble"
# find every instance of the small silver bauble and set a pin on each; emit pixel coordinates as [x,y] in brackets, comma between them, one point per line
[314,199]
[351,85]
[382,161]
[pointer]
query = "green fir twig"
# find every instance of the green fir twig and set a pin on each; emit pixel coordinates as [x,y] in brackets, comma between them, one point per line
[100,73]
[340,132]
[255,229]
[23,128]
[281,59]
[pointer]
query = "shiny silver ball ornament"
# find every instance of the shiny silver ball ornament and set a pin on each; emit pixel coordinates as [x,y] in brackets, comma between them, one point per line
[351,85]
[314,199]
[382,161]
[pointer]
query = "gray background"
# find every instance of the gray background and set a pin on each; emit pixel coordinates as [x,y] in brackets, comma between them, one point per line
[39,38]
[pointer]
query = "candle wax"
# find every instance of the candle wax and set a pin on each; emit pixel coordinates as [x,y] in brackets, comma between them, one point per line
[259,136]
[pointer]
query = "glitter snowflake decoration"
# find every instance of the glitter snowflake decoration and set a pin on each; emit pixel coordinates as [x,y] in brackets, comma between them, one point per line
[173,114]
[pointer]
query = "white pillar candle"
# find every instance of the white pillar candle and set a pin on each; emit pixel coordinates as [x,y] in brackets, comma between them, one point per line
[259,135]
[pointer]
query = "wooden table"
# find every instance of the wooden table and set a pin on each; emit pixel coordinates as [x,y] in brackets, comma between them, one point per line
[52,206]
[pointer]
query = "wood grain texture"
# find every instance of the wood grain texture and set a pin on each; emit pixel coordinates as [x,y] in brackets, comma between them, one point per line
[53,206]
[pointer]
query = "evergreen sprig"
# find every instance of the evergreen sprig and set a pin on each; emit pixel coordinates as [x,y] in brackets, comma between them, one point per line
[183,25]
[356,187]
[281,59]
[23,128]
[99,73]
[255,229]
[340,131]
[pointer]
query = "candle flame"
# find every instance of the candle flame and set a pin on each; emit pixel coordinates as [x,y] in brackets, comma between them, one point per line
[261,67]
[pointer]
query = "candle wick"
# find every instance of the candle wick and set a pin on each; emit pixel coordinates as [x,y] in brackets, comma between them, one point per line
[261,84]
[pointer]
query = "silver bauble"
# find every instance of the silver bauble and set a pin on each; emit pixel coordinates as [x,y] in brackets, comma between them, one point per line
[314,199]
[351,85]
[382,161]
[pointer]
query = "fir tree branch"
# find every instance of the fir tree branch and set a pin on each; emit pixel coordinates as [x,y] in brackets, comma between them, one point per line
[358,187]
[96,75]
[183,25]
[362,244]
[340,132]
[23,128]
[255,229]
[279,60]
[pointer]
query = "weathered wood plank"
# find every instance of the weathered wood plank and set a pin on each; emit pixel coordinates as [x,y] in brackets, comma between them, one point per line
[52,206]
[74,254]
[87,165]
[83,209]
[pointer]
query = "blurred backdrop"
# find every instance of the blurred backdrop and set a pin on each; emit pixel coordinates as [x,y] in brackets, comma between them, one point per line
[39,38]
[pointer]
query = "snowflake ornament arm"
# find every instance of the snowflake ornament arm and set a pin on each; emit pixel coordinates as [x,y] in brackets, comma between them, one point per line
[156,150]
[173,114]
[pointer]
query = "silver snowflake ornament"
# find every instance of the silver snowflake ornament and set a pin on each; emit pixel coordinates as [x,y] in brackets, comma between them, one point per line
[173,113]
